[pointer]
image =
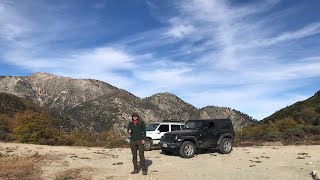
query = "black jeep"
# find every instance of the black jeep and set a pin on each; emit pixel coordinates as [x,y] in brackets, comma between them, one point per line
[199,134]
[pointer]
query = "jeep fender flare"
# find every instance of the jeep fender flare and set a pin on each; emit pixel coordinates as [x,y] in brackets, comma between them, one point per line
[192,139]
[226,135]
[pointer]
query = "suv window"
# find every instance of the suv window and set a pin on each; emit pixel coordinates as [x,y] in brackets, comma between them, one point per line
[163,128]
[175,127]
[152,127]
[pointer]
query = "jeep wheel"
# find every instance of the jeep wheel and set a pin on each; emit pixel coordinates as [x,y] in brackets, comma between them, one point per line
[166,151]
[225,146]
[187,149]
[147,145]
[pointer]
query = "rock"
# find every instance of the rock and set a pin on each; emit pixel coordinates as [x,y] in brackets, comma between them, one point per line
[309,163]
[300,157]
[314,175]
[36,154]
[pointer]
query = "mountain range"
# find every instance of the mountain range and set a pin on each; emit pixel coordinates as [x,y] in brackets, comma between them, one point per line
[98,106]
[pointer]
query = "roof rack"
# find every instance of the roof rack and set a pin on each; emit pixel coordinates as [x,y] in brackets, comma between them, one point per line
[178,121]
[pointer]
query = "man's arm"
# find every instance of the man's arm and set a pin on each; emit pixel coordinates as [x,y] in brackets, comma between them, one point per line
[129,128]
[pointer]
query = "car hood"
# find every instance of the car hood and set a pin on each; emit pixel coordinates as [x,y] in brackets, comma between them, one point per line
[185,132]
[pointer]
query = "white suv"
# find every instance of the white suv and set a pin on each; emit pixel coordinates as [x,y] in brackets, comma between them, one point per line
[156,130]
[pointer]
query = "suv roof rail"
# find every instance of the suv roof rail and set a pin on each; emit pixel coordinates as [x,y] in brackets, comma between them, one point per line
[177,121]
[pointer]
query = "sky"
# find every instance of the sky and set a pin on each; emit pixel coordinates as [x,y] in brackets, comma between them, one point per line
[253,56]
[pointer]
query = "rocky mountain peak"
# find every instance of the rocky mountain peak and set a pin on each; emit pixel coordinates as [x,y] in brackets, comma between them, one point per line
[99,106]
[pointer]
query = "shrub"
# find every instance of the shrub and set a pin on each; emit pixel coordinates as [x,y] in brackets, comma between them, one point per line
[272,136]
[312,130]
[293,134]
[5,128]
[31,127]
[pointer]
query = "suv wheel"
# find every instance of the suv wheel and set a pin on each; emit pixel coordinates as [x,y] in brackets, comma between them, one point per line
[225,146]
[187,149]
[147,145]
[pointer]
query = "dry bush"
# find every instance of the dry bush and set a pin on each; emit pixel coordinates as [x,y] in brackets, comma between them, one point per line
[78,174]
[16,168]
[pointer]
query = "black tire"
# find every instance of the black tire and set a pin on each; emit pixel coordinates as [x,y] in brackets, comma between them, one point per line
[147,145]
[187,149]
[167,151]
[225,146]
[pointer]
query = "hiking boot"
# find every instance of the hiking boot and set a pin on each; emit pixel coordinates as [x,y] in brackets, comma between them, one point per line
[144,172]
[134,172]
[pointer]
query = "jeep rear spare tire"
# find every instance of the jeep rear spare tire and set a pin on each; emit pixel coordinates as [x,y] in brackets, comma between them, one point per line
[225,146]
[187,149]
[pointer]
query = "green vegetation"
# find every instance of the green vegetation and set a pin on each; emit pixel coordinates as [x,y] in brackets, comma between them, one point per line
[295,124]
[23,121]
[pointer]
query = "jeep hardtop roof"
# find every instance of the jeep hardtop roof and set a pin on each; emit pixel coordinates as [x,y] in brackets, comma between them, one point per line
[215,120]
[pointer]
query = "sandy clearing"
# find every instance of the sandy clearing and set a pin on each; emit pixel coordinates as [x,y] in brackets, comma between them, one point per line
[261,162]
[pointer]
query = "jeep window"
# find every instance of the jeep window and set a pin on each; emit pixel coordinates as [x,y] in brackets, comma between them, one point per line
[152,127]
[163,128]
[211,125]
[194,124]
[225,125]
[175,127]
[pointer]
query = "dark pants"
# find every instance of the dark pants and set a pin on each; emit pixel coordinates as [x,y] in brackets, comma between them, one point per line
[137,145]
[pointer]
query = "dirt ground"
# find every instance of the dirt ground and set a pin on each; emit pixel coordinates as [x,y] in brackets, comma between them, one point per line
[260,162]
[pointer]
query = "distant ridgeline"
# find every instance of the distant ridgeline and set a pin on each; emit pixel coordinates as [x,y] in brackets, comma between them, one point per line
[98,106]
[295,124]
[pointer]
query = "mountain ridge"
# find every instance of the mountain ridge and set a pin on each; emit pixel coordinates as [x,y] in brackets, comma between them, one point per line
[97,105]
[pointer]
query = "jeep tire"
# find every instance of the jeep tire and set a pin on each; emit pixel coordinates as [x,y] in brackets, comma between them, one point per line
[147,145]
[225,146]
[187,149]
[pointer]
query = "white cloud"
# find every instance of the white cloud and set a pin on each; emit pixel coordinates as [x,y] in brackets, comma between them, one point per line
[179,29]
[309,30]
[96,59]
[12,25]
[211,52]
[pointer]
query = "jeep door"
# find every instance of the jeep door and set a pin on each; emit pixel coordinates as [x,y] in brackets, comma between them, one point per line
[210,134]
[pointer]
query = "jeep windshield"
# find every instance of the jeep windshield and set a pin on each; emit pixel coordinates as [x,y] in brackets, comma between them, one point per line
[152,127]
[193,125]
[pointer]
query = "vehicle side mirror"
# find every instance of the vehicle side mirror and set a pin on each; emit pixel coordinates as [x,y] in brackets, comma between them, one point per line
[157,131]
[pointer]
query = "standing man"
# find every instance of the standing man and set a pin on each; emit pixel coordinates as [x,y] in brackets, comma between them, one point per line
[137,129]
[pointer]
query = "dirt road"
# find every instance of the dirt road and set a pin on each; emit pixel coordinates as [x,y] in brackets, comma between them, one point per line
[247,163]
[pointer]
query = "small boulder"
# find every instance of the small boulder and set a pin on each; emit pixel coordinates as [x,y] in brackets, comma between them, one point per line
[314,175]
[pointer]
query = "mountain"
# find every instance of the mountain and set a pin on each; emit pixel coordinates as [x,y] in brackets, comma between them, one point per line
[96,105]
[10,105]
[307,111]
[238,119]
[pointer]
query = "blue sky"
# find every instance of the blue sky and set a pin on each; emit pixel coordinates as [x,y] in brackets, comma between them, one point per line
[253,56]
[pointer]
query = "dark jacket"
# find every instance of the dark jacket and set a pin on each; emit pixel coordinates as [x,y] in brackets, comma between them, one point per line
[138,131]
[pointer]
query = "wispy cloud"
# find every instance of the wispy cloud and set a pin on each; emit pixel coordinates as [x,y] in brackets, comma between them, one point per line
[209,52]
